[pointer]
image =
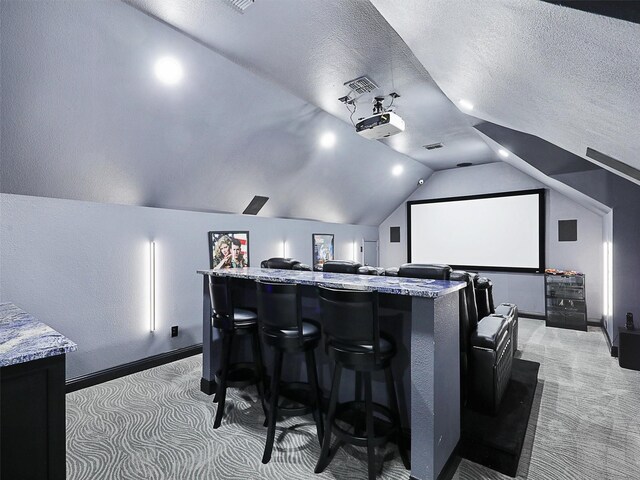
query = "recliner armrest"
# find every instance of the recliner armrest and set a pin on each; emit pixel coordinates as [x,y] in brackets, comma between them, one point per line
[491,332]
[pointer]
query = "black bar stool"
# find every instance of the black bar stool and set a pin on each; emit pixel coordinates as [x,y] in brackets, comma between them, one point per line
[282,327]
[353,340]
[232,322]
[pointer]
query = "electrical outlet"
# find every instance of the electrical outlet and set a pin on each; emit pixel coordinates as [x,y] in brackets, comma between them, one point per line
[174,331]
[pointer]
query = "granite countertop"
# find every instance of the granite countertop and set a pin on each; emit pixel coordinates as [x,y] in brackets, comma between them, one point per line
[23,338]
[415,287]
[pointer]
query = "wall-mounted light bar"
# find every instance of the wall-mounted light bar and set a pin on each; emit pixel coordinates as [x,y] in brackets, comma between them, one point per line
[152,286]
[607,267]
[284,249]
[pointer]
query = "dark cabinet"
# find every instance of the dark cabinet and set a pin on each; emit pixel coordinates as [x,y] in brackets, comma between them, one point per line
[32,420]
[565,301]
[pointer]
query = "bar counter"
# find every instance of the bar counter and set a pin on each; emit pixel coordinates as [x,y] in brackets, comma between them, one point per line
[32,398]
[427,310]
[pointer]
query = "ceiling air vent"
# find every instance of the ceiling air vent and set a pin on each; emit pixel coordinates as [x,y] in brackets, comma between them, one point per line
[255,205]
[240,5]
[433,146]
[361,85]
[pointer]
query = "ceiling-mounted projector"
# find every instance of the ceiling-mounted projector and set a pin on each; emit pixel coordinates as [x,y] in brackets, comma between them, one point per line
[380,125]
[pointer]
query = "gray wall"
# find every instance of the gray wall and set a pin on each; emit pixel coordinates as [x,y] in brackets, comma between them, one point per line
[83,268]
[526,290]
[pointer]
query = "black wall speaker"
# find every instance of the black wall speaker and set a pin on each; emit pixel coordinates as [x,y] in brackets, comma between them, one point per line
[394,233]
[567,230]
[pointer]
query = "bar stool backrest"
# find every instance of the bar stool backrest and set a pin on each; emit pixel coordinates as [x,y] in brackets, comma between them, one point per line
[350,317]
[279,306]
[221,302]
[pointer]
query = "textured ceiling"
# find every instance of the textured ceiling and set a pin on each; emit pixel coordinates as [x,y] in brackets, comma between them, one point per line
[83,117]
[567,76]
[312,47]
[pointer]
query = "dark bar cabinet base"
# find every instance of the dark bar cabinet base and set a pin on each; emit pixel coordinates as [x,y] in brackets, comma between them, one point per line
[32,420]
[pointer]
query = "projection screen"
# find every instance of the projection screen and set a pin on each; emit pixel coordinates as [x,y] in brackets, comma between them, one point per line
[503,231]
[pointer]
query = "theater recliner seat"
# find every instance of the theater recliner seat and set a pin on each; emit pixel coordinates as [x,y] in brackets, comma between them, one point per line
[486,354]
[490,362]
[510,312]
[341,266]
[484,287]
[368,270]
[425,270]
[280,262]
[484,298]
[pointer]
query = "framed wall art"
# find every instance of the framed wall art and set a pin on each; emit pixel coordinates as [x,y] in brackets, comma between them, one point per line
[322,249]
[228,249]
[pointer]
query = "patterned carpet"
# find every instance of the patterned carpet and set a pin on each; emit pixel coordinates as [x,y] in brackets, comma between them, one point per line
[158,425]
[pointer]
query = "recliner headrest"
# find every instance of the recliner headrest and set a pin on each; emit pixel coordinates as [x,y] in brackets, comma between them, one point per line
[301,266]
[368,270]
[421,270]
[280,262]
[341,266]
[391,272]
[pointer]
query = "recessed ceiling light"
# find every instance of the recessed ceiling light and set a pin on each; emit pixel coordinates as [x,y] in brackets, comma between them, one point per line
[328,140]
[466,104]
[503,153]
[397,170]
[168,70]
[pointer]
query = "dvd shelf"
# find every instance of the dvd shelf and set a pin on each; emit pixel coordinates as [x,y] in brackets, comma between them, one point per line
[565,301]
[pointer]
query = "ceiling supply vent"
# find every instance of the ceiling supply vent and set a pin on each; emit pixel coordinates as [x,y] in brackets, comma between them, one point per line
[361,85]
[433,146]
[611,162]
[464,164]
[255,205]
[240,5]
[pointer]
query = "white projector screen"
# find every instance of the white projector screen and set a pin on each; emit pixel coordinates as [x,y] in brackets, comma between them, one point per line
[502,231]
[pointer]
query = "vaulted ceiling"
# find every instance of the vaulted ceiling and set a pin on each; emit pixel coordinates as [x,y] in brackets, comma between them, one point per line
[83,116]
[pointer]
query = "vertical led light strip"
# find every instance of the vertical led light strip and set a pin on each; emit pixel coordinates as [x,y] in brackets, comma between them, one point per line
[152,286]
[284,249]
[605,282]
[610,281]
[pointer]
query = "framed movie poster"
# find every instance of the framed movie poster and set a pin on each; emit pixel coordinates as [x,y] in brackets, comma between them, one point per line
[322,249]
[228,249]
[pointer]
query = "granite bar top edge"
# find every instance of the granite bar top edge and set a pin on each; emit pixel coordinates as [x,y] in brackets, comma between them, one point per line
[23,338]
[391,285]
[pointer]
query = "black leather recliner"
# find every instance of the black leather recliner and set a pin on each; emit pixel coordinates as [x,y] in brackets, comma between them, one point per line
[341,266]
[424,270]
[369,270]
[486,354]
[484,296]
[284,264]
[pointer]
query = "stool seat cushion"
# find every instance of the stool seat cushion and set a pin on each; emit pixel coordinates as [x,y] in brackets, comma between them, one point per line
[308,330]
[242,317]
[387,346]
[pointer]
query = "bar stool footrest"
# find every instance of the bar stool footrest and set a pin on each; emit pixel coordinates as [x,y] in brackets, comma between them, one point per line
[353,413]
[295,399]
[241,374]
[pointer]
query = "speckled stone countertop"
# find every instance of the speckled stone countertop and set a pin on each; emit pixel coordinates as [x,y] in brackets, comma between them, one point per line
[415,287]
[23,338]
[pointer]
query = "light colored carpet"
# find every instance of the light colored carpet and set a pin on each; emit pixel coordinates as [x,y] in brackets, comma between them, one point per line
[156,424]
